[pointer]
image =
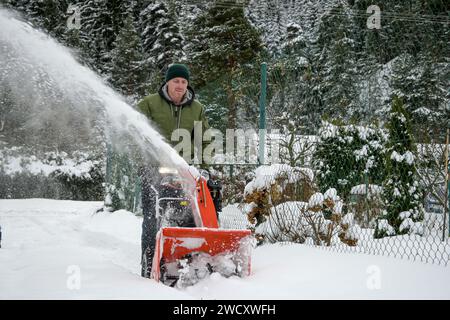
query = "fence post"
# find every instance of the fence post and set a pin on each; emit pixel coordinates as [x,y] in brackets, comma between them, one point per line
[447,178]
[262,114]
[447,191]
[448,181]
[108,162]
[366,181]
[137,193]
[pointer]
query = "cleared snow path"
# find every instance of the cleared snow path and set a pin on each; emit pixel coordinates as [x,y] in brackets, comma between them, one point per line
[65,250]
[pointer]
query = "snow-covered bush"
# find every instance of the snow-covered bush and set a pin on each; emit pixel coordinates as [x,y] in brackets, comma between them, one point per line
[273,185]
[57,175]
[320,220]
[346,156]
[122,182]
[82,176]
[366,204]
[431,171]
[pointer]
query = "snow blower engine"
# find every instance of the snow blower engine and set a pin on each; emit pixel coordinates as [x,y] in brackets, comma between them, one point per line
[190,245]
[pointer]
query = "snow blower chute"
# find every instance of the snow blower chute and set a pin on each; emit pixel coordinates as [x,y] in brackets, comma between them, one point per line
[185,255]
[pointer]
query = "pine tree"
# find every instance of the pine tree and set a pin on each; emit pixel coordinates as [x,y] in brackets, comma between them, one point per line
[120,10]
[126,71]
[97,34]
[424,95]
[337,63]
[48,15]
[147,18]
[168,45]
[16,4]
[267,17]
[401,192]
[220,44]
[347,155]
[162,41]
[295,77]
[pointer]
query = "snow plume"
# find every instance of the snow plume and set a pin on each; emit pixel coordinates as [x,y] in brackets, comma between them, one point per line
[45,77]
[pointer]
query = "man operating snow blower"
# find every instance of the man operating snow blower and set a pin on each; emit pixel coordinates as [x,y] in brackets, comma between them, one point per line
[173,107]
[181,238]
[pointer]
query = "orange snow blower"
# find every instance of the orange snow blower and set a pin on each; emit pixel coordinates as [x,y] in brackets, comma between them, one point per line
[185,255]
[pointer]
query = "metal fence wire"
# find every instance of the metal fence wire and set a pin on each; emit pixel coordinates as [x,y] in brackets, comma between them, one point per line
[348,197]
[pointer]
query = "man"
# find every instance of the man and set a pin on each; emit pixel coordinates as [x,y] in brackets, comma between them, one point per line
[173,107]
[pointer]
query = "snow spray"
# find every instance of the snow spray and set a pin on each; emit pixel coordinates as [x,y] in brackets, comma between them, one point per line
[39,71]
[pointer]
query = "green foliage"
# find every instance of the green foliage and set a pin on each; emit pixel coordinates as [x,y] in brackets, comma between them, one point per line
[401,192]
[88,186]
[220,43]
[122,186]
[423,90]
[337,65]
[78,176]
[328,64]
[126,69]
[350,155]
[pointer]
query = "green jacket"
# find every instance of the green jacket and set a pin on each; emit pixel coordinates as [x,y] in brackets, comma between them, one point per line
[167,116]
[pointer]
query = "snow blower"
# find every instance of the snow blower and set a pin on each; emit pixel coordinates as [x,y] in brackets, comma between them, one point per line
[184,255]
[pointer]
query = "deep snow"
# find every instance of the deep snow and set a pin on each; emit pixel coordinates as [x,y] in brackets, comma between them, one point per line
[65,250]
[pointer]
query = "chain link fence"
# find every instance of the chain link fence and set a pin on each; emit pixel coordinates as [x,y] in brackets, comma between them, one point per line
[351,185]
[363,115]
[359,115]
[288,204]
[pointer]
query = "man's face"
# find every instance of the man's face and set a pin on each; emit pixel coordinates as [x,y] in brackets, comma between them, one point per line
[176,88]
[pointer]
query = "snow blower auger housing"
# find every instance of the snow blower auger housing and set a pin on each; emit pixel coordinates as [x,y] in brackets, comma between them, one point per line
[185,255]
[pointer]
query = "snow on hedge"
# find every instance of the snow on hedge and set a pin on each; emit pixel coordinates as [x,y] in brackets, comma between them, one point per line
[361,189]
[265,176]
[15,161]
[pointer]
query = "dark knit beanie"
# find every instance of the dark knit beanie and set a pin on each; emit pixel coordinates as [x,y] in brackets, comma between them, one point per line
[177,70]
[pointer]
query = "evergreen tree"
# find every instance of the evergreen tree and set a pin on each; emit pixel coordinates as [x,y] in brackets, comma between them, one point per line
[401,192]
[267,17]
[220,45]
[338,65]
[349,155]
[296,101]
[424,96]
[48,15]
[126,71]
[97,34]
[120,10]
[147,18]
[168,47]
[161,40]
[19,5]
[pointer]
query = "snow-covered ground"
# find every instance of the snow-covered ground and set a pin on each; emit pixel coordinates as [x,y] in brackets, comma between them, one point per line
[65,250]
